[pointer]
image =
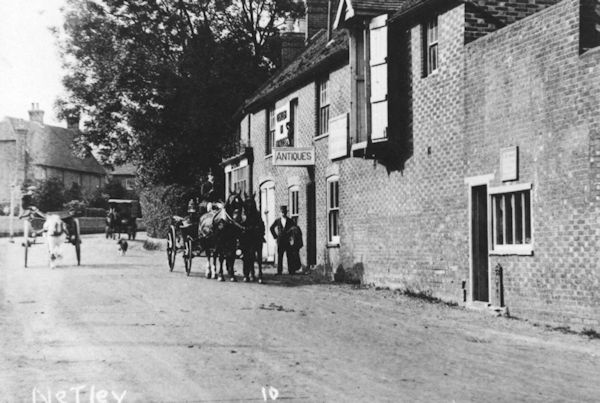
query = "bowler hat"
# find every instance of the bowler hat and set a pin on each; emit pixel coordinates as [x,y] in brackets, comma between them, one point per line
[283,209]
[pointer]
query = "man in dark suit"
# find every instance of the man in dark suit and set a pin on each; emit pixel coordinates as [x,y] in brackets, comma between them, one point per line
[280,231]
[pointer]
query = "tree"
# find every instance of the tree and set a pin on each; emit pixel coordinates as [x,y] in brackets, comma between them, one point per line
[49,195]
[157,81]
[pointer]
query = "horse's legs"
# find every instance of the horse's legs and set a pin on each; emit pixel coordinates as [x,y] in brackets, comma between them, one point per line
[230,261]
[208,267]
[221,259]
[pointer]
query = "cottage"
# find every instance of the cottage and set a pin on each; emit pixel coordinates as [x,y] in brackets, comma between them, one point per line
[31,150]
[455,151]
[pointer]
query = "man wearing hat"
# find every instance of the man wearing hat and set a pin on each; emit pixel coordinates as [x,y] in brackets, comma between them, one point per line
[27,202]
[280,230]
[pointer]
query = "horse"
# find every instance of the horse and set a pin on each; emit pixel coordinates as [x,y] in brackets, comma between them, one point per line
[218,236]
[112,220]
[55,231]
[252,238]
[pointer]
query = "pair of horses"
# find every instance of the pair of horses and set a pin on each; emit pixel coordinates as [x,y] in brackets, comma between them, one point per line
[236,226]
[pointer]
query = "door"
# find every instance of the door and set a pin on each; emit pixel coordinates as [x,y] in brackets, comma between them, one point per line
[267,210]
[479,242]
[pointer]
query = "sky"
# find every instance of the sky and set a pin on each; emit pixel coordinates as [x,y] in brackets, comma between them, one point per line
[30,68]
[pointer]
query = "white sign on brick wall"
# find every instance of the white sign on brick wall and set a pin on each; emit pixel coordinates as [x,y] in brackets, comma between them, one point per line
[338,136]
[294,156]
[282,119]
[509,163]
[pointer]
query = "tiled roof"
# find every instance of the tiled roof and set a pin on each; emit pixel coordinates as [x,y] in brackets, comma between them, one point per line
[376,5]
[50,146]
[316,58]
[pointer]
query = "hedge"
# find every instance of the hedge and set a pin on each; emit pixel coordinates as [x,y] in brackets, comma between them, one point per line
[160,203]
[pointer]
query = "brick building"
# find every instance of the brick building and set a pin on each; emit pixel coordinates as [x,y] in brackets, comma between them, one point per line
[31,150]
[461,138]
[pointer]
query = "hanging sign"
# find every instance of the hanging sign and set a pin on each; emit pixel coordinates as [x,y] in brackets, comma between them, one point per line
[282,119]
[294,156]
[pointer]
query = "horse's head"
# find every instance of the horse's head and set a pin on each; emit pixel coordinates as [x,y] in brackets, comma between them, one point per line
[250,207]
[234,201]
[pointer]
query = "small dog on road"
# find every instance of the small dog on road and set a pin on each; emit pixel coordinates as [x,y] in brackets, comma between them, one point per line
[122,246]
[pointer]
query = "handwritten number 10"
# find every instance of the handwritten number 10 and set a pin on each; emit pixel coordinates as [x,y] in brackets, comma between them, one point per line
[270,392]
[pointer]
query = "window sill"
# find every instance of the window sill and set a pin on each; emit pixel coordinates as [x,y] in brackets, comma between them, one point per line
[432,74]
[320,137]
[333,245]
[520,250]
[268,156]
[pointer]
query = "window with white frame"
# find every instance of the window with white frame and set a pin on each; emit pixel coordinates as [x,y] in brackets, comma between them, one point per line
[239,179]
[333,210]
[323,107]
[430,46]
[511,219]
[294,203]
[270,134]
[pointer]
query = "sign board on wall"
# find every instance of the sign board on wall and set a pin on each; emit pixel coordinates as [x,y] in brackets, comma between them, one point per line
[297,156]
[338,136]
[509,164]
[282,119]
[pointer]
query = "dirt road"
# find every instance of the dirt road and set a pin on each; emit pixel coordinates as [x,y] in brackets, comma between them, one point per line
[126,329]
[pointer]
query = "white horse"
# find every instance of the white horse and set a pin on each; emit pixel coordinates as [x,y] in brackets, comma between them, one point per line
[55,231]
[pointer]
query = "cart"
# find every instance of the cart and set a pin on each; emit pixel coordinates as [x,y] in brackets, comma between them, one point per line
[182,236]
[127,212]
[33,227]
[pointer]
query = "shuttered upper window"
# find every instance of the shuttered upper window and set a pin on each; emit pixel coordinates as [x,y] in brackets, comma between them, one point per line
[378,43]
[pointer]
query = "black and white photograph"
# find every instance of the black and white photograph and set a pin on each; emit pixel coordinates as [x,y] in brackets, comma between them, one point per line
[299,201]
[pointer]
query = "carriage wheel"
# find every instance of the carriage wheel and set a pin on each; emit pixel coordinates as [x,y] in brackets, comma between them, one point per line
[77,242]
[187,255]
[171,247]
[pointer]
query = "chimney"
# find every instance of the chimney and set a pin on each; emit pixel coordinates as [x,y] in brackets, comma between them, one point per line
[318,16]
[36,114]
[292,44]
[73,121]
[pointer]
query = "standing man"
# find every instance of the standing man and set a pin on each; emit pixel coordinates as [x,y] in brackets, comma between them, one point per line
[280,231]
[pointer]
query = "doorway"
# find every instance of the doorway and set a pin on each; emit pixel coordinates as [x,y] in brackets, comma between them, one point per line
[479,243]
[268,214]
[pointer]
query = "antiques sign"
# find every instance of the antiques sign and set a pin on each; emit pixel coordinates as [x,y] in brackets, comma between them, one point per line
[509,164]
[298,156]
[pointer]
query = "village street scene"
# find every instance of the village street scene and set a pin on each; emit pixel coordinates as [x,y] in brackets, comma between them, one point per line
[300,200]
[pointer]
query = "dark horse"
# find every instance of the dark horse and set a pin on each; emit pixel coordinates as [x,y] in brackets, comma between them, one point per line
[219,233]
[252,238]
[112,223]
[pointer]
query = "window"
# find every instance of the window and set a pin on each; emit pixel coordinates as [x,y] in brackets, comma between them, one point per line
[323,107]
[129,183]
[270,135]
[333,210]
[294,203]
[511,219]
[239,179]
[430,46]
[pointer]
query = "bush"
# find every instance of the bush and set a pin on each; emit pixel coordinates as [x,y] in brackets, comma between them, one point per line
[160,203]
[77,207]
[49,195]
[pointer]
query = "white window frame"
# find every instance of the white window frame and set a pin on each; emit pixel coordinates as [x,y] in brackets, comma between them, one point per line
[431,44]
[323,107]
[524,249]
[333,206]
[270,134]
[294,202]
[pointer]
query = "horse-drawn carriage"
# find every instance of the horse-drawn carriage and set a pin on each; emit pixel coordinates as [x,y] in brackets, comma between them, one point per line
[122,218]
[54,224]
[227,231]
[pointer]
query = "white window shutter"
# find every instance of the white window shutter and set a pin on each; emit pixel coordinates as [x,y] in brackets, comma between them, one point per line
[379,77]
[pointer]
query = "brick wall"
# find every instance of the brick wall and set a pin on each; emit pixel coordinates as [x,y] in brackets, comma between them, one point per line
[284,177]
[407,228]
[526,85]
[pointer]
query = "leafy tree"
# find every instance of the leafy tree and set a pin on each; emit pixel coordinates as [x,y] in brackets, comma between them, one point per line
[158,80]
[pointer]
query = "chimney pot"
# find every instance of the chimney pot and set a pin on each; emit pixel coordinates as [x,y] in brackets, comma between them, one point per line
[36,114]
